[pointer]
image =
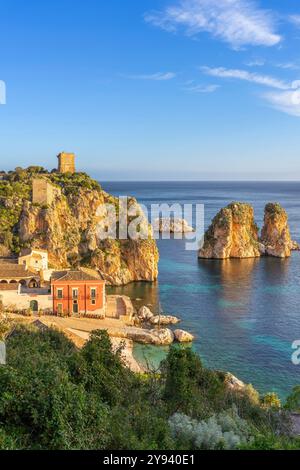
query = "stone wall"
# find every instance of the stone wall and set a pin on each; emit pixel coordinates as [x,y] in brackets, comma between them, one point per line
[43,192]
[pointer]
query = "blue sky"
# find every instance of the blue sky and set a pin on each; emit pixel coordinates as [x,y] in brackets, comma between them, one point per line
[153,89]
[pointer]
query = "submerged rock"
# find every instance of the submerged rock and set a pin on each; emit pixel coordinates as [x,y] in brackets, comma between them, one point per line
[275,235]
[183,336]
[232,234]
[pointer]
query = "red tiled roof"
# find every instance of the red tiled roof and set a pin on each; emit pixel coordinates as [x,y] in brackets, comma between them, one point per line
[74,276]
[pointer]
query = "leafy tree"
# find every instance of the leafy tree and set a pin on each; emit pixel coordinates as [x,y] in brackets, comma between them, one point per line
[189,387]
[105,373]
[293,400]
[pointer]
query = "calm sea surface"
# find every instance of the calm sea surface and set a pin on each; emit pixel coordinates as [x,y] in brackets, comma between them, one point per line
[245,314]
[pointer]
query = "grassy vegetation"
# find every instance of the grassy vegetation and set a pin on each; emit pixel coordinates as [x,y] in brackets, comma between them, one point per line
[14,189]
[274,210]
[71,183]
[54,396]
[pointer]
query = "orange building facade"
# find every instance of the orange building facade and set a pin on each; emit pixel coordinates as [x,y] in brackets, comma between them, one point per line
[75,293]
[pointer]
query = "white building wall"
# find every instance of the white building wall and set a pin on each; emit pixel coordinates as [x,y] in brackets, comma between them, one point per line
[11,299]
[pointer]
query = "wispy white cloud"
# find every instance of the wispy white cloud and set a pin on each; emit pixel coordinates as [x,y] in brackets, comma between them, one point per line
[287,101]
[159,76]
[295,19]
[245,75]
[280,65]
[255,63]
[237,22]
[288,65]
[202,88]
[285,98]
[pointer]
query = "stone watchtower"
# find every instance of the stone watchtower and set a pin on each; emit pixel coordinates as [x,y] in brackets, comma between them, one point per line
[66,162]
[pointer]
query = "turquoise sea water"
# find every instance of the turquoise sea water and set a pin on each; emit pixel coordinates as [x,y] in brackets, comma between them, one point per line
[245,314]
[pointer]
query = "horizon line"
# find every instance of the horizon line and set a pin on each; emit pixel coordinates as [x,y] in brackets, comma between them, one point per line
[197,181]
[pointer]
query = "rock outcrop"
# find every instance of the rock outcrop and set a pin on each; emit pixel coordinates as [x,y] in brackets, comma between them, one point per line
[164,320]
[145,315]
[232,234]
[183,336]
[275,235]
[172,225]
[78,228]
[294,246]
[158,337]
[233,383]
[164,336]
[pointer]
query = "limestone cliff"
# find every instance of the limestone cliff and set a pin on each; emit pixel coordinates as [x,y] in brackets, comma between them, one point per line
[275,235]
[71,227]
[232,234]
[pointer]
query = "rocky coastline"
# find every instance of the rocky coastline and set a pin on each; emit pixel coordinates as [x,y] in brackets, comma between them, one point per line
[70,225]
[159,335]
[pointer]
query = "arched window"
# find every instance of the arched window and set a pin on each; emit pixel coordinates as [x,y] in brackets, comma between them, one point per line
[33,283]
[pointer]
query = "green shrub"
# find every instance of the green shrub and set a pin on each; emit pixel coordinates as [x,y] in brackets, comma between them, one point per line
[271,400]
[270,441]
[293,401]
[189,387]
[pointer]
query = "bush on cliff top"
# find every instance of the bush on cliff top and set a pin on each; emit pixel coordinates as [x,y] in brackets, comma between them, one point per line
[71,183]
[274,209]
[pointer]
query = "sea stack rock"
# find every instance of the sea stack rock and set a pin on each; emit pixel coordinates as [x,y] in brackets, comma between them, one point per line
[275,235]
[232,234]
[171,225]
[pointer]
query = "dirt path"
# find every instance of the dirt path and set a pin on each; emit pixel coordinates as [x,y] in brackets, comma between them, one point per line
[86,324]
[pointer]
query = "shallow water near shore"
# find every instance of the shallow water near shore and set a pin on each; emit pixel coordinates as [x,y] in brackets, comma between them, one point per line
[245,314]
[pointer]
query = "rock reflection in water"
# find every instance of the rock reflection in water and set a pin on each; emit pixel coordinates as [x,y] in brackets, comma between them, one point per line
[235,281]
